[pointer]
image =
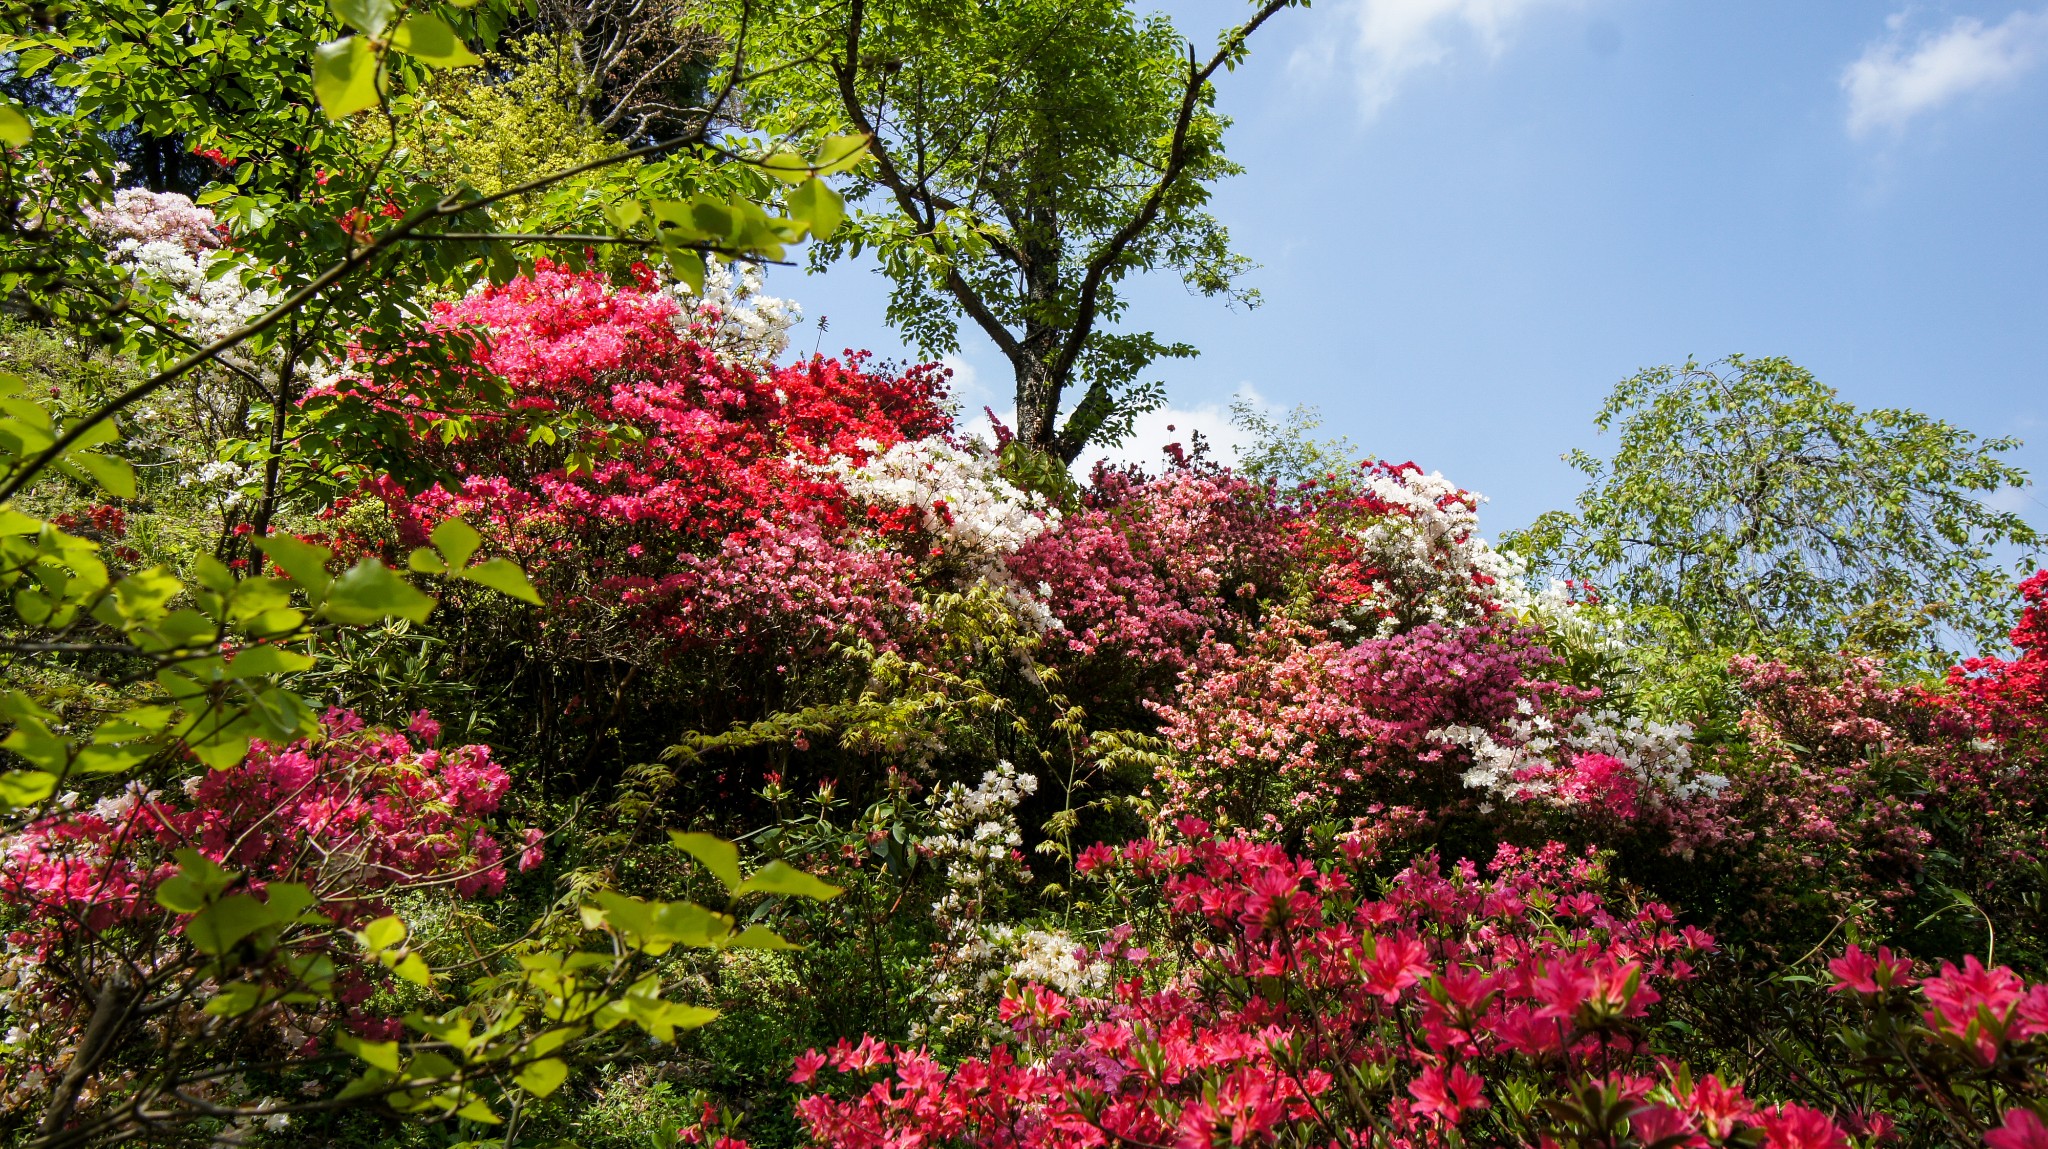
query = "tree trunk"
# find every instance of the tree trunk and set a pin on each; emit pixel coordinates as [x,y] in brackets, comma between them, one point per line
[1038,404]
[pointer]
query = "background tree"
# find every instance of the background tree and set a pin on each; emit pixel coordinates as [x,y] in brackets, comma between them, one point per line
[1747,507]
[635,68]
[1029,156]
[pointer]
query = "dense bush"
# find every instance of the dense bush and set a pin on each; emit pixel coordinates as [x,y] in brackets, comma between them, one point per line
[1181,806]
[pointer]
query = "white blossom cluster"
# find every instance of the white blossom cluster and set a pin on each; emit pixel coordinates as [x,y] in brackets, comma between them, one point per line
[1052,958]
[207,302]
[1571,624]
[960,496]
[1658,755]
[963,501]
[978,831]
[21,994]
[169,244]
[977,840]
[1430,550]
[144,216]
[733,317]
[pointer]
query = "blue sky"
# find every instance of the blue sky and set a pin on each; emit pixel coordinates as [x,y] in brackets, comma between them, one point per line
[1472,217]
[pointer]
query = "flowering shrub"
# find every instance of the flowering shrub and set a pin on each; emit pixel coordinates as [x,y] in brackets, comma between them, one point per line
[1401,548]
[1151,568]
[1504,1007]
[733,317]
[338,824]
[2007,699]
[358,812]
[756,573]
[1853,797]
[141,216]
[1295,729]
[644,471]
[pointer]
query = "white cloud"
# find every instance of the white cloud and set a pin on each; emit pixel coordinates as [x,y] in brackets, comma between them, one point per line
[1392,39]
[966,382]
[1895,80]
[1152,431]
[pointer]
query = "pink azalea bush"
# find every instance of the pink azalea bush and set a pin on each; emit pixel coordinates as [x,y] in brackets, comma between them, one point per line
[1508,1007]
[353,815]
[1397,870]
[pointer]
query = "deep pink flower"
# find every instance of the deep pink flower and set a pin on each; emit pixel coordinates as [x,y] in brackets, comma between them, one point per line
[1447,1096]
[1794,1126]
[2023,1129]
[1863,973]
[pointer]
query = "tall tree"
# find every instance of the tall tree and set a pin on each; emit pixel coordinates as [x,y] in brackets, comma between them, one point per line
[1029,156]
[1748,507]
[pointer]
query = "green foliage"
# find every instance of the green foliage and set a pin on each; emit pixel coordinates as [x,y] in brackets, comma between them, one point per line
[1029,157]
[498,126]
[1748,508]
[1284,450]
[140,658]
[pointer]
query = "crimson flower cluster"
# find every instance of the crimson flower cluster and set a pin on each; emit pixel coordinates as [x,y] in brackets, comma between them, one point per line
[352,814]
[1305,1011]
[639,469]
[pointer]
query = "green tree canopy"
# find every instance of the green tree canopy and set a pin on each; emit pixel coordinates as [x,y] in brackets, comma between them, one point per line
[1748,507]
[1029,156]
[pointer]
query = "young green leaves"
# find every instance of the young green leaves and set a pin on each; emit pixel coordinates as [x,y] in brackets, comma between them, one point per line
[27,429]
[14,125]
[654,928]
[349,74]
[457,543]
[733,225]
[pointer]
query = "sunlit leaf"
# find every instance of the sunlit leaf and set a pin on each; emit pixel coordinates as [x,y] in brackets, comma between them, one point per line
[719,856]
[345,76]
[503,576]
[14,127]
[370,17]
[782,878]
[428,38]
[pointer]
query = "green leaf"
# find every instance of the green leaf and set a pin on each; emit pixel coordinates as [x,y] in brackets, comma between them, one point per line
[543,1077]
[219,751]
[456,540]
[503,576]
[26,787]
[688,267]
[235,999]
[113,759]
[428,38]
[381,1054]
[345,76]
[14,127]
[370,17]
[268,660]
[759,938]
[302,562]
[479,1112]
[817,207]
[32,61]
[840,153]
[423,560]
[113,474]
[382,934]
[787,166]
[782,878]
[371,592]
[719,856]
[215,929]
[414,969]
[199,880]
